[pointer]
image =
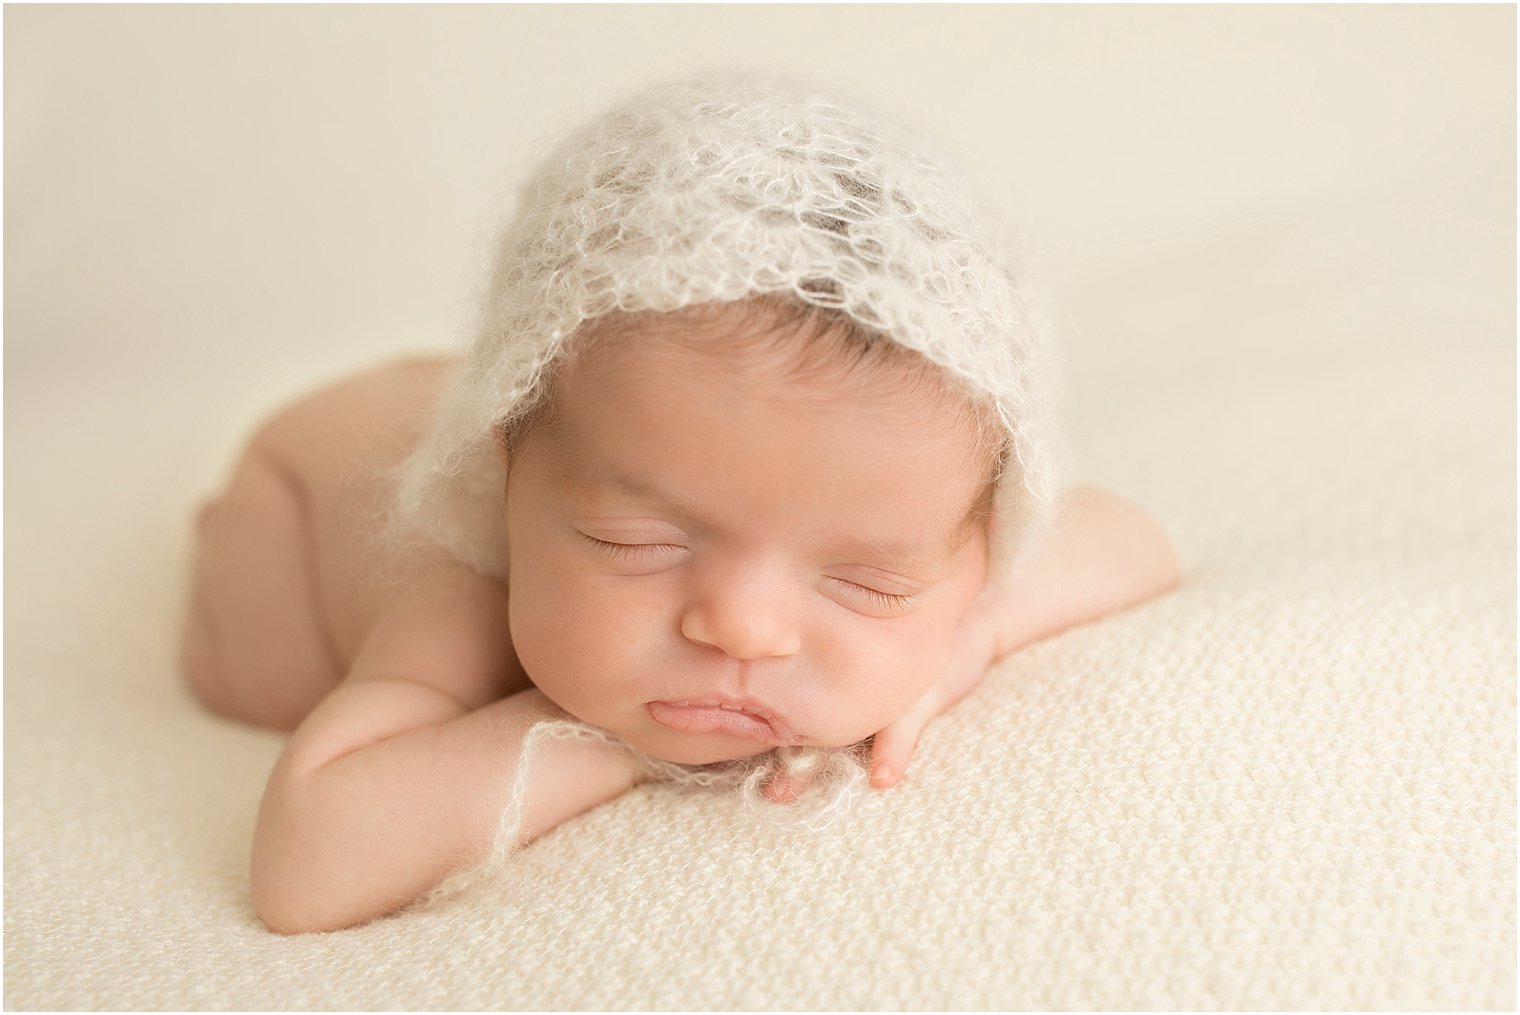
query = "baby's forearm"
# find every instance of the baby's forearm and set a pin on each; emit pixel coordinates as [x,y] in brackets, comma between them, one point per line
[347,833]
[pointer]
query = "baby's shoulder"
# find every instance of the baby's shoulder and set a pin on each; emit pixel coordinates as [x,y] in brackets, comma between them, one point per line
[378,413]
[337,447]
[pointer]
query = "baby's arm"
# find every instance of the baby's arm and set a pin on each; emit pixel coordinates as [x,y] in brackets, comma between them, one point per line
[402,774]
[1107,554]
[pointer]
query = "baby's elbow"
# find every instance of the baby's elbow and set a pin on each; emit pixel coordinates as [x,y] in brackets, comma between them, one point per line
[278,916]
[281,901]
[288,922]
[1161,561]
[1154,561]
[298,883]
[290,905]
[1138,553]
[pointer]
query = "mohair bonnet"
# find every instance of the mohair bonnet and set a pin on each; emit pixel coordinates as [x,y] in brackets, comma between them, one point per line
[713,189]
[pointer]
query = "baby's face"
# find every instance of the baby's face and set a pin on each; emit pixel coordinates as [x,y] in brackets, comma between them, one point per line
[712,556]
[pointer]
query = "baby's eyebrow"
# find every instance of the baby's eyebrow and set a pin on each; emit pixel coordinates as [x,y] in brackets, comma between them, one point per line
[624,483]
[913,555]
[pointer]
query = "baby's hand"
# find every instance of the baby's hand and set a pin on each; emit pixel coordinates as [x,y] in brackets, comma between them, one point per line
[977,646]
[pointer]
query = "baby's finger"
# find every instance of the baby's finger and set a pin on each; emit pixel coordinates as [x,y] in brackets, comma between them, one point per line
[892,747]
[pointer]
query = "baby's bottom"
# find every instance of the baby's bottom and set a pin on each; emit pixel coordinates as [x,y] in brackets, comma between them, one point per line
[253,647]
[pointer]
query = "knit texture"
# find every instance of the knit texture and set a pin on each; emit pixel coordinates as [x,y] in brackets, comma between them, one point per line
[713,189]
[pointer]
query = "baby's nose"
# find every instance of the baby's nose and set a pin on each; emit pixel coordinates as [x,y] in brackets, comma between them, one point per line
[750,621]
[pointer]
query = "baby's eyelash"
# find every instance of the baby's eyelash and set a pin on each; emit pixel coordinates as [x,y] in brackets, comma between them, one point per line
[620,550]
[887,600]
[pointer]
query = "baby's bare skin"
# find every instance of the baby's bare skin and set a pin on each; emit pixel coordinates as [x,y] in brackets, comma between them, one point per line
[289,576]
[403,677]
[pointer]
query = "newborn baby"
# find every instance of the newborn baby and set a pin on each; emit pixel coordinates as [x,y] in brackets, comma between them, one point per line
[751,451]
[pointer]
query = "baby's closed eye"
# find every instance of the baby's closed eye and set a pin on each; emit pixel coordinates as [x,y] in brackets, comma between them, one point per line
[629,549]
[890,602]
[884,595]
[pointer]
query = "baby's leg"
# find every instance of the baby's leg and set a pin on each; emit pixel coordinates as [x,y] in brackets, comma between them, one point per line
[254,646]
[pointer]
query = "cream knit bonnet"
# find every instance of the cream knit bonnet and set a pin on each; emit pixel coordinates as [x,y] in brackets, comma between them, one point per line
[713,189]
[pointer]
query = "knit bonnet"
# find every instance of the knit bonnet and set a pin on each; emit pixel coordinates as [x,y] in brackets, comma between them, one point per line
[714,189]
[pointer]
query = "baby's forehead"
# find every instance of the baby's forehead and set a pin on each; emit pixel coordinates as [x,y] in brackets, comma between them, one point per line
[879,440]
[797,350]
[646,371]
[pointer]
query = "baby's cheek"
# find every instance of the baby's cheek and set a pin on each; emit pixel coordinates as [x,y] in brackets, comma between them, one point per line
[887,673]
[581,634]
[549,622]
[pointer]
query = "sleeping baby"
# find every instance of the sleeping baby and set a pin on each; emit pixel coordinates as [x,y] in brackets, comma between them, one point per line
[751,457]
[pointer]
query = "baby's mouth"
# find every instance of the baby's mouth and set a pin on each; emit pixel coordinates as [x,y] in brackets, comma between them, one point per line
[712,715]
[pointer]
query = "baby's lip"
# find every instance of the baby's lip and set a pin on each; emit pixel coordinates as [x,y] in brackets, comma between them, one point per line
[739,717]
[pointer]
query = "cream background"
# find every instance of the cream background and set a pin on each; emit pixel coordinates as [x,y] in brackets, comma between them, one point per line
[1279,244]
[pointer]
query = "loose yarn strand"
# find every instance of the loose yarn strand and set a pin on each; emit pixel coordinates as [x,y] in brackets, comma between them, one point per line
[837,782]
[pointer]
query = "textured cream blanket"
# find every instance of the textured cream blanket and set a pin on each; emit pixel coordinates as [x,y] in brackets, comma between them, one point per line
[1280,243]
